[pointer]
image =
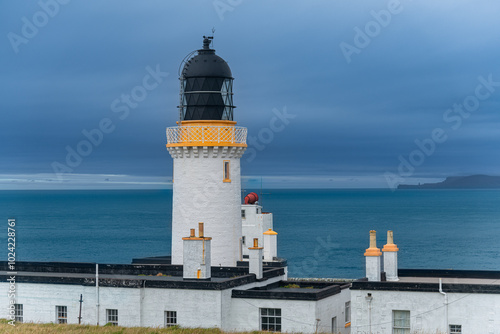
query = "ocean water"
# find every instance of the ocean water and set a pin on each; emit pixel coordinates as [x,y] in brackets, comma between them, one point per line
[322,233]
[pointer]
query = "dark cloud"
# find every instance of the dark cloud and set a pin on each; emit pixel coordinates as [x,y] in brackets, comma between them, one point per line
[352,119]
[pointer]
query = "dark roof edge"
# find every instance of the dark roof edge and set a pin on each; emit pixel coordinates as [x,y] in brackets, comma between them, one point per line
[426,287]
[142,283]
[487,274]
[330,289]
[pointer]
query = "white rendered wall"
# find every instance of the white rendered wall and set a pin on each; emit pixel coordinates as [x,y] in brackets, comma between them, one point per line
[40,301]
[254,224]
[330,307]
[391,265]
[477,313]
[270,246]
[136,306]
[196,256]
[200,195]
[296,315]
[255,262]
[373,269]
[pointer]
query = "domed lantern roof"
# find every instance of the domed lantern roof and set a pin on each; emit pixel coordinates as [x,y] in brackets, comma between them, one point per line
[206,87]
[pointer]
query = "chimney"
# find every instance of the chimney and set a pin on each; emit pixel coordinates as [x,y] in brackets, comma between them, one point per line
[391,258]
[372,256]
[270,245]
[255,259]
[196,255]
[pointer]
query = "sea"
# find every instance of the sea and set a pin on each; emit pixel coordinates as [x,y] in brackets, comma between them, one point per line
[322,233]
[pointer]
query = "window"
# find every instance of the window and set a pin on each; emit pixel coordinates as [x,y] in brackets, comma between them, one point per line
[170,318]
[243,239]
[401,322]
[347,312]
[112,316]
[227,175]
[243,214]
[18,312]
[270,319]
[334,325]
[455,329]
[61,314]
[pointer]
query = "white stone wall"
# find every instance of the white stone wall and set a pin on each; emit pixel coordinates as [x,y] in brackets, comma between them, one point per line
[391,265]
[40,301]
[195,308]
[254,224]
[297,315]
[197,256]
[373,269]
[330,307]
[477,313]
[136,306]
[200,195]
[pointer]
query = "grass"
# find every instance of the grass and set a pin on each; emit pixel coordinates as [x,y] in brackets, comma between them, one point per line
[29,328]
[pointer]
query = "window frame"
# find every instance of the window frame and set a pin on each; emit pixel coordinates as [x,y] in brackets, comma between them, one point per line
[170,318]
[110,315]
[399,328]
[61,314]
[18,313]
[455,329]
[226,171]
[347,312]
[243,214]
[275,325]
[334,325]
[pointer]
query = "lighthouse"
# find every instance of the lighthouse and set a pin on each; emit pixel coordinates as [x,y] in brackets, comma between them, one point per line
[206,147]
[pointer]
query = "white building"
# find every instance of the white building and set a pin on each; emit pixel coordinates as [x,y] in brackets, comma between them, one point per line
[225,270]
[422,300]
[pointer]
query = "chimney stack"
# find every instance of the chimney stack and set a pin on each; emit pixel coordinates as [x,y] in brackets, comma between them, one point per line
[197,255]
[391,258]
[372,256]
[270,245]
[255,259]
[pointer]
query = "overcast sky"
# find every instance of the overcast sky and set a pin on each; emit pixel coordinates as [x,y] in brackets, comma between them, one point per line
[333,93]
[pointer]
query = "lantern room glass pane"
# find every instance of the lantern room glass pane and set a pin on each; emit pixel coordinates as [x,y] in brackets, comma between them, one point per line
[207,98]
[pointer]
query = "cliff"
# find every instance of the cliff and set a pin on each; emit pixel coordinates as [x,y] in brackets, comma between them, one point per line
[460,182]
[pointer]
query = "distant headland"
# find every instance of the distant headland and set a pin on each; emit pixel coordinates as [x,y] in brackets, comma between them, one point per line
[459,182]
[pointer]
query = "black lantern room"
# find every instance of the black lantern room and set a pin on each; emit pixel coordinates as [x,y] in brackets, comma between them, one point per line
[206,87]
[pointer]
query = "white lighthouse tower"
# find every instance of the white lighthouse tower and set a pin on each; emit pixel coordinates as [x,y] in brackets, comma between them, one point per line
[206,146]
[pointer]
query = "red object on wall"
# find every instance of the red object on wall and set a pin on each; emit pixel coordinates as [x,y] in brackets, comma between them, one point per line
[251,198]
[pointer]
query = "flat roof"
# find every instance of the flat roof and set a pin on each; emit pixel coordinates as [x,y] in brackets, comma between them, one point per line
[130,276]
[292,290]
[450,280]
[427,280]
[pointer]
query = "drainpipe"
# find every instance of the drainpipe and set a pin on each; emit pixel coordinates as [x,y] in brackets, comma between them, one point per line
[445,304]
[369,299]
[241,249]
[97,292]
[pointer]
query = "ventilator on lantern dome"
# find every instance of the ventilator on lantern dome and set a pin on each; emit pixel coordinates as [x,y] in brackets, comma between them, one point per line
[206,87]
